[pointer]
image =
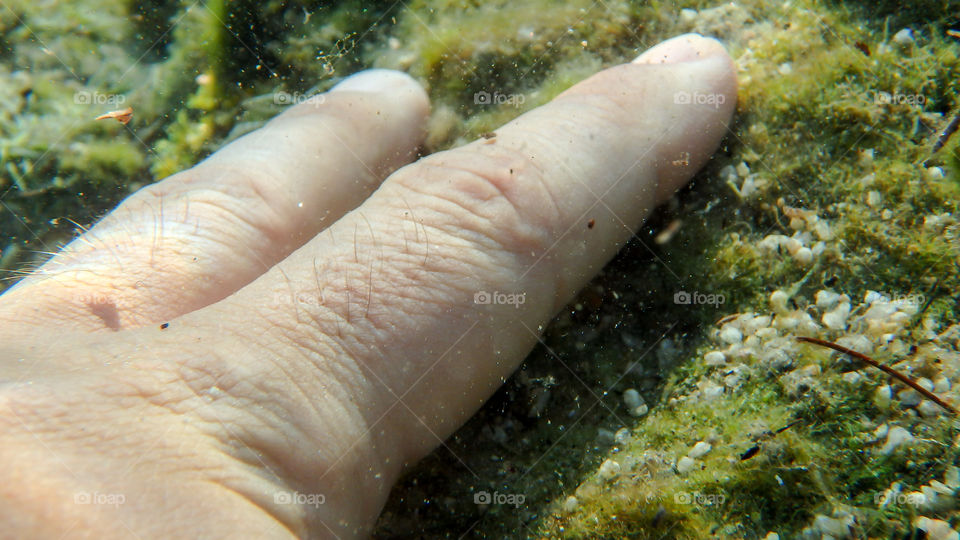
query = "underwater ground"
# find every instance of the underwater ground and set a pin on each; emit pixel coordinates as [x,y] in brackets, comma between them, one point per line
[671,399]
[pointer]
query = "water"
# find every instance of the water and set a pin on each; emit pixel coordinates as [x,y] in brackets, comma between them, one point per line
[828,211]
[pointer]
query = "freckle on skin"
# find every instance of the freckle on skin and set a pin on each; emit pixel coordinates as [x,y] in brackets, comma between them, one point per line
[106,312]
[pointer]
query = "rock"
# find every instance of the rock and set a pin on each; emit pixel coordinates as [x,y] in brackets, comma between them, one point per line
[731,334]
[686,464]
[936,529]
[838,527]
[609,470]
[883,397]
[714,358]
[632,399]
[895,437]
[699,450]
[903,37]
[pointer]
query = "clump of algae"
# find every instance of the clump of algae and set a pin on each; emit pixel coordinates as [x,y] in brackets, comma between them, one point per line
[188,71]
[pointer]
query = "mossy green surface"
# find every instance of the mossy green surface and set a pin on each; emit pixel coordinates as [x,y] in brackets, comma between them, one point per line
[829,113]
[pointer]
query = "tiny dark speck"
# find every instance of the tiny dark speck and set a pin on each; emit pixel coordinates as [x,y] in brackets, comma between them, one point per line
[164,326]
[750,453]
[591,223]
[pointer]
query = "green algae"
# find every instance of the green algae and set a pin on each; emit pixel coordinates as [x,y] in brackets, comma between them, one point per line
[821,83]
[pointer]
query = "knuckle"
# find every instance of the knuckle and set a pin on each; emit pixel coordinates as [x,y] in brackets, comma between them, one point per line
[498,197]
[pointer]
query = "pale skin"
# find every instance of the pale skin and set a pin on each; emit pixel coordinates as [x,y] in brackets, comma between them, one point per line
[294,318]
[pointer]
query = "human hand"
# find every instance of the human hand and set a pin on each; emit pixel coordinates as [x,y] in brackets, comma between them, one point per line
[259,345]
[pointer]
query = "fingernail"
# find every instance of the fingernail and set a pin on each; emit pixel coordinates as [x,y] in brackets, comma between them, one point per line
[684,48]
[374,80]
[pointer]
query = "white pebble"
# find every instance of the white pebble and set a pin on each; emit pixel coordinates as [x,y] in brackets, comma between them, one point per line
[838,527]
[609,470]
[929,409]
[771,536]
[570,505]
[873,199]
[822,228]
[881,432]
[688,15]
[622,436]
[767,333]
[731,334]
[883,397]
[778,301]
[903,37]
[826,300]
[639,411]
[952,477]
[895,437]
[712,390]
[632,399]
[714,358]
[792,244]
[934,173]
[686,464]
[909,397]
[857,342]
[836,319]
[936,529]
[942,384]
[699,450]
[804,256]
[852,377]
